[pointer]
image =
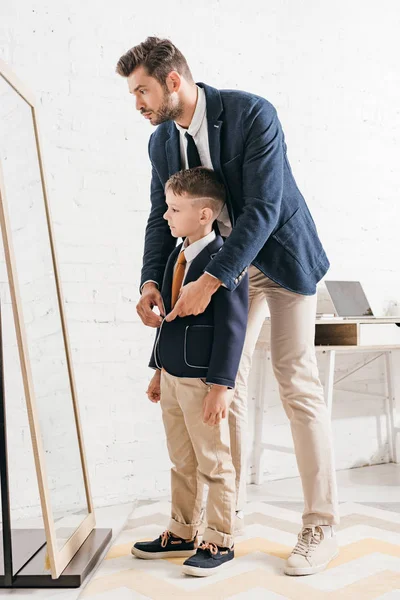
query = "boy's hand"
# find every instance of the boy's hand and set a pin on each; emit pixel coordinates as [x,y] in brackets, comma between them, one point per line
[154,389]
[215,405]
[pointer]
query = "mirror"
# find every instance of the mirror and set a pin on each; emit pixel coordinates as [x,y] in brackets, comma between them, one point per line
[40,325]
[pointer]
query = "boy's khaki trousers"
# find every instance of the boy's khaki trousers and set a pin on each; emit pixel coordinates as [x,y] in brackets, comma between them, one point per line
[200,454]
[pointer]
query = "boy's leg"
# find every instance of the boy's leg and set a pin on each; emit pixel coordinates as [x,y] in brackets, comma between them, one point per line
[186,494]
[211,445]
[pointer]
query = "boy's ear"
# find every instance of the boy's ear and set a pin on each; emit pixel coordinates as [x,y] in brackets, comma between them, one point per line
[207,214]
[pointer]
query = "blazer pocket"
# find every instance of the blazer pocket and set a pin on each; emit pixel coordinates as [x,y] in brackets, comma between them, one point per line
[300,238]
[198,345]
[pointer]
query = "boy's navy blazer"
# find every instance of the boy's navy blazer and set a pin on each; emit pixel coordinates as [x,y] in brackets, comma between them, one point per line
[273,228]
[208,345]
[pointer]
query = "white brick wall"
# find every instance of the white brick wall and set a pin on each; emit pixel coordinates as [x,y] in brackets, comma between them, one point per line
[332,71]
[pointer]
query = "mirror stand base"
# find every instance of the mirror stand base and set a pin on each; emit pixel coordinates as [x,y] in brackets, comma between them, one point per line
[27,541]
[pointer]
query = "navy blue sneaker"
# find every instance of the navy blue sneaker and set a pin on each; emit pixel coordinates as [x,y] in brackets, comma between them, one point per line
[208,559]
[167,545]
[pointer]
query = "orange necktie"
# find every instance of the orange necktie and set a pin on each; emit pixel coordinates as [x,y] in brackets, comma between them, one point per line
[178,278]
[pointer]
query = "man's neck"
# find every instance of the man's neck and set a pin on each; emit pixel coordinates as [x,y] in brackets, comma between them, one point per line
[189,101]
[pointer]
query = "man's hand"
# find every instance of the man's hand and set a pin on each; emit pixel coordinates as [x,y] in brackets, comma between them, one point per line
[215,405]
[195,297]
[154,390]
[150,298]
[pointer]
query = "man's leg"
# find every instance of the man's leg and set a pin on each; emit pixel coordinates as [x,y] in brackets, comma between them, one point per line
[295,367]
[238,406]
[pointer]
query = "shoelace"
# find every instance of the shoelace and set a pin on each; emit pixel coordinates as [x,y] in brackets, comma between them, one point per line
[308,539]
[164,538]
[210,546]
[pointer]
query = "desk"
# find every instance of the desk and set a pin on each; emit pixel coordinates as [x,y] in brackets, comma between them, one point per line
[380,336]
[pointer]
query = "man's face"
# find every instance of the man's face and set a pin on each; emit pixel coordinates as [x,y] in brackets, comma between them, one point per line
[155,102]
[184,217]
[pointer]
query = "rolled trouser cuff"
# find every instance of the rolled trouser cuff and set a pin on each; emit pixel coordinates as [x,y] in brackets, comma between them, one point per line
[225,540]
[309,521]
[183,530]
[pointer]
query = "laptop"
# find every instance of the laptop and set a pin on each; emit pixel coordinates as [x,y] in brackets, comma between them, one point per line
[349,299]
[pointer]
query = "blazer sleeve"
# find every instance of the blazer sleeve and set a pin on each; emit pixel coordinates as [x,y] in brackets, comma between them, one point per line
[230,323]
[159,242]
[262,177]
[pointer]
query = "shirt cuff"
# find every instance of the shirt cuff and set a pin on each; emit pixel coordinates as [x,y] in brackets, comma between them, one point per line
[211,275]
[148,281]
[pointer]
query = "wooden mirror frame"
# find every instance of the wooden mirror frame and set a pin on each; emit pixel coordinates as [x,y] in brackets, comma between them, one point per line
[58,559]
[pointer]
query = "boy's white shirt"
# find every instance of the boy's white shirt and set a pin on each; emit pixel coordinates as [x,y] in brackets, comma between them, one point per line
[192,250]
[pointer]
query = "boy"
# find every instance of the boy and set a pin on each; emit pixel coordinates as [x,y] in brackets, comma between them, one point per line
[196,360]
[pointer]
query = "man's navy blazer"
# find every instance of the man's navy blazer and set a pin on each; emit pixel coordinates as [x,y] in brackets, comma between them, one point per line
[208,345]
[272,226]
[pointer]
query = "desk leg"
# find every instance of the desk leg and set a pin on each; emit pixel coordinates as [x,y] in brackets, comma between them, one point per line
[329,379]
[391,407]
[261,399]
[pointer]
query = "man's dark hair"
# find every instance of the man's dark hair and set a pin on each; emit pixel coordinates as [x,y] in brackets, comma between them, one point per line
[199,182]
[158,56]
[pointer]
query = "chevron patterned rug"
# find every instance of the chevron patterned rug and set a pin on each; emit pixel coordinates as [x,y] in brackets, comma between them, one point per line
[367,568]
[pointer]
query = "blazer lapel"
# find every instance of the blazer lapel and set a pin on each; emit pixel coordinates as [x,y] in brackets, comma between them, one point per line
[199,263]
[173,151]
[214,110]
[167,281]
[215,124]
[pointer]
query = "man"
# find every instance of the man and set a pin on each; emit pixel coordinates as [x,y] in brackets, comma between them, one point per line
[271,234]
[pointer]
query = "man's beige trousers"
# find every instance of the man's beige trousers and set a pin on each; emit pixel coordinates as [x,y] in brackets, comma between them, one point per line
[200,454]
[295,367]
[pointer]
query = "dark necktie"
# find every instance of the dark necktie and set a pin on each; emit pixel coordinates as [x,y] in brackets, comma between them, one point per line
[192,152]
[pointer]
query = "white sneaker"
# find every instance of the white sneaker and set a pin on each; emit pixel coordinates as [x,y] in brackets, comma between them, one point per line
[313,552]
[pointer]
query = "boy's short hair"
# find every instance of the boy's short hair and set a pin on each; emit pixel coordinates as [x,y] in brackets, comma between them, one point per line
[199,182]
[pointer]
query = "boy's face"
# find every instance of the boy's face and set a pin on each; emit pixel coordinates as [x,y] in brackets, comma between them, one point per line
[184,217]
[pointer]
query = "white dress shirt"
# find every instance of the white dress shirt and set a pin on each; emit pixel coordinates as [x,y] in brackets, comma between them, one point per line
[192,250]
[198,129]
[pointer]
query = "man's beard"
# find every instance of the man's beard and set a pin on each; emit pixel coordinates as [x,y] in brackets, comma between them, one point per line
[167,112]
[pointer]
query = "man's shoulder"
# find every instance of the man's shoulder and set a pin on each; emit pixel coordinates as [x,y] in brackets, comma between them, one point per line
[237,98]
[242,102]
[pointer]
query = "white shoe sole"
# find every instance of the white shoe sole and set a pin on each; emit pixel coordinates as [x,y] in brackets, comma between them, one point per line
[308,570]
[153,555]
[199,572]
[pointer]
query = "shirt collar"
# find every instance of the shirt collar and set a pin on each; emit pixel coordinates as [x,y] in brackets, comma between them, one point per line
[194,249]
[199,114]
